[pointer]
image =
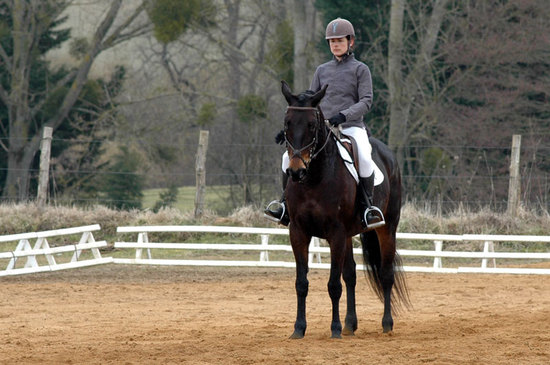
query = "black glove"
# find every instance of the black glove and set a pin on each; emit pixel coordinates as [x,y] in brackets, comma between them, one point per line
[280,137]
[337,119]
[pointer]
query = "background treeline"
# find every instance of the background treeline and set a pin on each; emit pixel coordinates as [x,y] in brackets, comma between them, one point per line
[128,85]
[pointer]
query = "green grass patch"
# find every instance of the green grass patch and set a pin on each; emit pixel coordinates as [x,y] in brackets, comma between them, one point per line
[215,199]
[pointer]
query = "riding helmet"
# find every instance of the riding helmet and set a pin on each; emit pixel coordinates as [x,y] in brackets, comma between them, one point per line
[339,28]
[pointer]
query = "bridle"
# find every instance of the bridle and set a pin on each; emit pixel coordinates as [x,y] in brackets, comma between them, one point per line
[313,152]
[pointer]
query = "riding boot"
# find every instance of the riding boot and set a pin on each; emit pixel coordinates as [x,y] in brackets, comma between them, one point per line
[276,210]
[371,216]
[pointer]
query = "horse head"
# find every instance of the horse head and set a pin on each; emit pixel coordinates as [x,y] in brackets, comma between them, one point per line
[304,122]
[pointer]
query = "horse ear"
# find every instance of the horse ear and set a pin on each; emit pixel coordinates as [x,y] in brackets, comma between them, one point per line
[287,93]
[316,99]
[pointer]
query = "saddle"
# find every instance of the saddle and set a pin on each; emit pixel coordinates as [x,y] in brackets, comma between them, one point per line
[347,147]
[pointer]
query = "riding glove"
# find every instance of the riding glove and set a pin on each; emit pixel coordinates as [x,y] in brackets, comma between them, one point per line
[337,119]
[280,137]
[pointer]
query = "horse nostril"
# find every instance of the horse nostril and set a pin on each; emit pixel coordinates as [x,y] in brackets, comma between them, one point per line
[297,175]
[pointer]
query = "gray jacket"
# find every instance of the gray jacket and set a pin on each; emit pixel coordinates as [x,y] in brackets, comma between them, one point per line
[349,89]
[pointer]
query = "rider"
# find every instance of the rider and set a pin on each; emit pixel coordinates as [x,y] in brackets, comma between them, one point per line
[348,98]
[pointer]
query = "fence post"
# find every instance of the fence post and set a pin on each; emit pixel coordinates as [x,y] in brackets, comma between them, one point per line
[488,246]
[264,255]
[45,148]
[514,187]
[438,264]
[200,173]
[314,243]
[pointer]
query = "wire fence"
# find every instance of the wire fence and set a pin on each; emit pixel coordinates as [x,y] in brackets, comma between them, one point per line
[437,177]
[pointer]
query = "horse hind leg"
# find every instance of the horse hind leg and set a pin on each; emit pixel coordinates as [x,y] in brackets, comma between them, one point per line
[387,275]
[350,278]
[387,279]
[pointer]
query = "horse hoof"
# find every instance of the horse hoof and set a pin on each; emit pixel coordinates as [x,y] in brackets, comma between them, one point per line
[296,336]
[348,332]
[336,335]
[388,329]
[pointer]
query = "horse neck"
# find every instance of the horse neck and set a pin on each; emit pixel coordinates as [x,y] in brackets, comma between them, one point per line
[324,164]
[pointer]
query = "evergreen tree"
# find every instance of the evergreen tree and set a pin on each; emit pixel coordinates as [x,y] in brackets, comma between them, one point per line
[122,185]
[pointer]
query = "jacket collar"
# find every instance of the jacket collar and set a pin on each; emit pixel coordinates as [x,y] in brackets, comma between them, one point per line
[344,59]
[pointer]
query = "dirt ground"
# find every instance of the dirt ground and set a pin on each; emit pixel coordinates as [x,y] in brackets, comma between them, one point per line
[116,314]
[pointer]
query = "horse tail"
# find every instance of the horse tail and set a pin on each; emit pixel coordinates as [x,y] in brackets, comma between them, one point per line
[372,259]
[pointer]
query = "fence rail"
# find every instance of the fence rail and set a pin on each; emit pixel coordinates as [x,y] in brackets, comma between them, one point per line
[41,257]
[488,253]
[33,264]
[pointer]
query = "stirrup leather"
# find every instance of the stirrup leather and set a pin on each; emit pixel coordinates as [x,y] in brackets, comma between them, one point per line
[376,211]
[271,216]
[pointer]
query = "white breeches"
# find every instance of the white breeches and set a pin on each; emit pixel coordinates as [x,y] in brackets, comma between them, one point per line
[366,165]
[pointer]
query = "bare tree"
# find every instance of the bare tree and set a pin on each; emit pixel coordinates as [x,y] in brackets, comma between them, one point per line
[406,77]
[31,19]
[218,70]
[305,36]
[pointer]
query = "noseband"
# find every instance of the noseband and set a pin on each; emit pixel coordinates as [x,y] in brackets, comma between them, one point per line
[296,152]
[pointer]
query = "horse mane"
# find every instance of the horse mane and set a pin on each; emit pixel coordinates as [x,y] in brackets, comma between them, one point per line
[305,96]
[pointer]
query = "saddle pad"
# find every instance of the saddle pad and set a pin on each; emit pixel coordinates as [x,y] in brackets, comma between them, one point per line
[378,175]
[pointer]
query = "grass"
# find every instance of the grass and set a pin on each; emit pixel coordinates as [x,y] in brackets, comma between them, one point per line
[214,200]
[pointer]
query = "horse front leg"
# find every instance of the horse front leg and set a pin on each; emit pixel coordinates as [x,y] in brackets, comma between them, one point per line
[337,255]
[350,278]
[300,244]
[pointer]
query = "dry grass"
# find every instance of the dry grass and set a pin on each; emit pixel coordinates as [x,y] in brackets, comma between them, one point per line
[19,218]
[483,221]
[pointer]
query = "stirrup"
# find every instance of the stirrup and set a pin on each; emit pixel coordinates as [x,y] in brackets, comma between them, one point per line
[272,217]
[378,213]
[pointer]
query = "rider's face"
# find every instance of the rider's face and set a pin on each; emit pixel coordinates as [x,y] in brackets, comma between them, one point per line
[339,46]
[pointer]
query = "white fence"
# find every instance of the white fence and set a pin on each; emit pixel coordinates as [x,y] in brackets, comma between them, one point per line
[52,255]
[41,257]
[487,256]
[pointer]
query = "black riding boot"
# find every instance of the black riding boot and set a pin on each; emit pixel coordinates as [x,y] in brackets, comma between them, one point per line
[371,216]
[278,212]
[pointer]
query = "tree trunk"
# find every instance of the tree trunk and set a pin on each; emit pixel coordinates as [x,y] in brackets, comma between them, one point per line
[403,88]
[399,112]
[304,30]
[301,78]
[19,154]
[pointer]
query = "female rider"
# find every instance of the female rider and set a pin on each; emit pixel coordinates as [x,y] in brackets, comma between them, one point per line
[348,98]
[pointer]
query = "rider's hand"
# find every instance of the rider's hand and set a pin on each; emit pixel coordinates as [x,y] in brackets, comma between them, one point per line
[337,119]
[280,137]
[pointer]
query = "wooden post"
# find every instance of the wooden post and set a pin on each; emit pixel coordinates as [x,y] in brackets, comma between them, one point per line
[45,148]
[514,188]
[200,173]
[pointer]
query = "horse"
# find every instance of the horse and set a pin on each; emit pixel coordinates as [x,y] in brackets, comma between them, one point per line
[321,197]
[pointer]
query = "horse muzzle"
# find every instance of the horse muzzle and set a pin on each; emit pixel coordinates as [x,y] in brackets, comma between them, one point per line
[297,175]
[297,167]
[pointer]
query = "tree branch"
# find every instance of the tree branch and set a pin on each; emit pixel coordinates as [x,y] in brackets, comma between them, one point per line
[5,58]
[117,33]
[82,73]
[423,58]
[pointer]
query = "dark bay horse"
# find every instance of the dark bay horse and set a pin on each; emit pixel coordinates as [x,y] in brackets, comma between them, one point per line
[321,200]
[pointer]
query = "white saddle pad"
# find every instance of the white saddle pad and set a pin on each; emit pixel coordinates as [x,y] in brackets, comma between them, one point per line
[378,175]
